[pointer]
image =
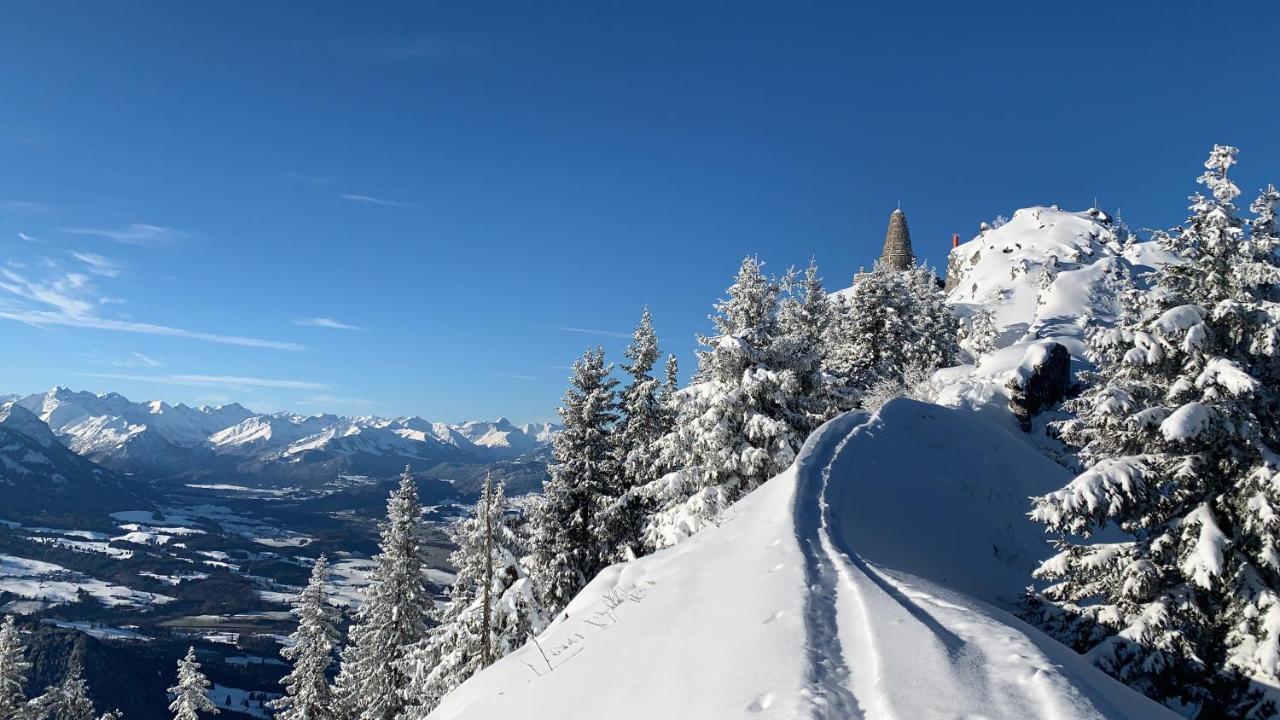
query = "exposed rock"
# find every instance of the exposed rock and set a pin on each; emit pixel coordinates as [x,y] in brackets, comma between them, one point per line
[1042,379]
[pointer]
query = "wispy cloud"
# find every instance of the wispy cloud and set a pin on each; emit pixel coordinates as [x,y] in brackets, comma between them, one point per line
[591,331]
[97,264]
[134,234]
[137,359]
[41,319]
[70,299]
[25,206]
[231,381]
[324,322]
[27,238]
[312,179]
[514,376]
[371,200]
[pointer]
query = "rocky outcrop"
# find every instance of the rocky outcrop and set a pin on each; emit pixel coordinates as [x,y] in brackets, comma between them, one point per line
[1042,379]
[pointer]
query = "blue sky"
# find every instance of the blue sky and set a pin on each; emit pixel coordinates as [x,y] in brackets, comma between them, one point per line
[422,208]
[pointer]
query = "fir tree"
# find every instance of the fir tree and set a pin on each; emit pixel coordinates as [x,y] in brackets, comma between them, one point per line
[191,694]
[13,670]
[570,545]
[673,380]
[979,334]
[1178,437]
[68,700]
[804,319]
[492,607]
[371,683]
[738,424]
[890,325]
[307,692]
[643,420]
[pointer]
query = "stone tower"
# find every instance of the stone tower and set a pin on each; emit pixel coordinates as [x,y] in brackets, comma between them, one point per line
[897,253]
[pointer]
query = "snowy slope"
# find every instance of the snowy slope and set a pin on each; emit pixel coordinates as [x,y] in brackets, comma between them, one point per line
[40,475]
[819,596]
[1087,259]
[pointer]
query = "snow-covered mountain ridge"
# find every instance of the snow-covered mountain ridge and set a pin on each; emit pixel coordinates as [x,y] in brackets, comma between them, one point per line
[39,474]
[161,440]
[876,577]
[818,596]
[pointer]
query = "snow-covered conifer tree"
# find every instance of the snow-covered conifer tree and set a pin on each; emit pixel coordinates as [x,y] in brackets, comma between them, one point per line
[191,694]
[68,700]
[804,319]
[372,681]
[643,418]
[673,378]
[308,695]
[1178,435]
[492,606]
[13,670]
[737,424]
[570,546]
[978,334]
[889,325]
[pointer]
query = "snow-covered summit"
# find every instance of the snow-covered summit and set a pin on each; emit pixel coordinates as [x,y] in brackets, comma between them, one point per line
[1044,275]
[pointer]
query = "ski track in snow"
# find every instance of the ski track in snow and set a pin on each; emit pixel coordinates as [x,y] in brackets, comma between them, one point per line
[828,670]
[914,650]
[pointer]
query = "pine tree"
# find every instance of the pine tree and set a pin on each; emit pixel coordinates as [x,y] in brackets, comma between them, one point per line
[307,692]
[804,319]
[1178,435]
[643,420]
[979,335]
[738,424]
[191,694]
[68,700]
[13,669]
[891,325]
[371,683]
[568,543]
[672,383]
[492,607]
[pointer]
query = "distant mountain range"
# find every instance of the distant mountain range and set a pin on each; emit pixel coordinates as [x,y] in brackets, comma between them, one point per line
[41,477]
[231,443]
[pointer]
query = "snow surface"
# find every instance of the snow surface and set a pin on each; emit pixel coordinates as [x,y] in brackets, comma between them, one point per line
[863,582]
[1002,269]
[99,631]
[54,584]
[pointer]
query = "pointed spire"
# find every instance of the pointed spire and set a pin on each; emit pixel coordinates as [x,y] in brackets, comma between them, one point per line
[897,253]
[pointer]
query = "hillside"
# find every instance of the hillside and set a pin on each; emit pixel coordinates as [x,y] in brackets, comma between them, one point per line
[818,596]
[885,587]
[42,479]
[1045,275]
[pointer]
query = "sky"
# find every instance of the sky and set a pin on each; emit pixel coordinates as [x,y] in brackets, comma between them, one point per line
[432,209]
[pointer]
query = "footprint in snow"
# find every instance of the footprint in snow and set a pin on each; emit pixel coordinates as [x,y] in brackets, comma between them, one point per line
[761,703]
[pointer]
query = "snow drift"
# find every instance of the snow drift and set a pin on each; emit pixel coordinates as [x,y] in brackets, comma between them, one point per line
[865,581]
